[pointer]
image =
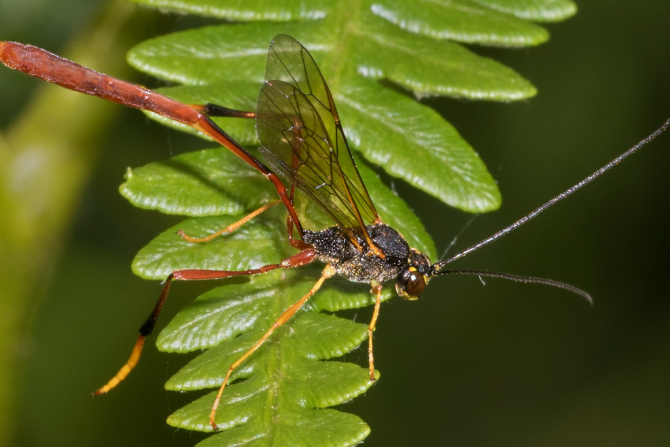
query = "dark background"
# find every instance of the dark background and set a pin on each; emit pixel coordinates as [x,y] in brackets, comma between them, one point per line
[501,365]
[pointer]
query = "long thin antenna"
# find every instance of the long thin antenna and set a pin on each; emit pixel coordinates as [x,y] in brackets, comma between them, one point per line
[524,279]
[455,239]
[558,198]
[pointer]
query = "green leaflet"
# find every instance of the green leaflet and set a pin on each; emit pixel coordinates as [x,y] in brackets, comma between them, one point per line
[169,252]
[247,10]
[201,183]
[460,20]
[433,157]
[434,67]
[539,10]
[281,393]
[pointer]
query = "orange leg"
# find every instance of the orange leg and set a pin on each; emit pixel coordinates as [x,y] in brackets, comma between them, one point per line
[376,289]
[125,369]
[302,258]
[230,228]
[288,313]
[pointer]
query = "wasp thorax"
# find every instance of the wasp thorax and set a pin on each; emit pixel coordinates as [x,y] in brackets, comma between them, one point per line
[413,279]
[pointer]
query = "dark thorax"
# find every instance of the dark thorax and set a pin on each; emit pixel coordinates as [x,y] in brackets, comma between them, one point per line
[334,246]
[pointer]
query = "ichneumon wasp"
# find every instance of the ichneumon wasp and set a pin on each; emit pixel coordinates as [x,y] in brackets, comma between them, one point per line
[303,143]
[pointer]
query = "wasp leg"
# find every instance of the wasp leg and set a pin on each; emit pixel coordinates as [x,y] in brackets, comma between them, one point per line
[297,260]
[230,228]
[288,313]
[377,290]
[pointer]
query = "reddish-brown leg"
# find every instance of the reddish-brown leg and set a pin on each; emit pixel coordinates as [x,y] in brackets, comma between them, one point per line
[302,258]
[377,290]
[285,316]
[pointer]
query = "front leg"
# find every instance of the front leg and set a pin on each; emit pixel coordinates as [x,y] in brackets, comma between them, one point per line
[328,272]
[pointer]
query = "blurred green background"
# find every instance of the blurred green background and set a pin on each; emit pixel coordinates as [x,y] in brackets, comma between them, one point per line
[468,365]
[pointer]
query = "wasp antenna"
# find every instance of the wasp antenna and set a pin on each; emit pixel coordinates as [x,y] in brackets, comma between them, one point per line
[558,198]
[524,279]
[455,239]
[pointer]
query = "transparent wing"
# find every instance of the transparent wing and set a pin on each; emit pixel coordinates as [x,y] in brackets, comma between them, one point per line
[302,138]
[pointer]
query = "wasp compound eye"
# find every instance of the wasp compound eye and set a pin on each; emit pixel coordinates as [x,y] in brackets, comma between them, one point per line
[415,284]
[410,284]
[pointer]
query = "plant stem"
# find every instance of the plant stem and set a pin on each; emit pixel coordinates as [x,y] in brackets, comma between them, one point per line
[46,158]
